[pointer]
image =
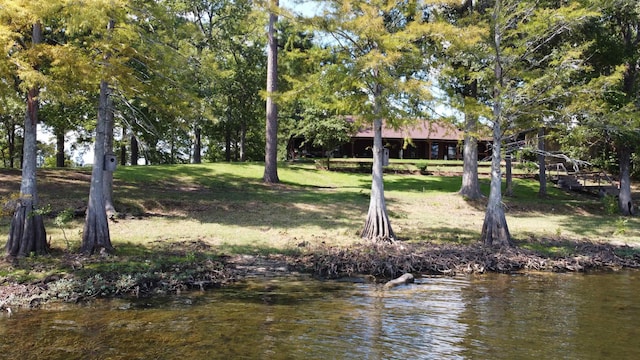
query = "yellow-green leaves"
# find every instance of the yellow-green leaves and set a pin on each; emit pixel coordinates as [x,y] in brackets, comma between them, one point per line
[380,57]
[91,16]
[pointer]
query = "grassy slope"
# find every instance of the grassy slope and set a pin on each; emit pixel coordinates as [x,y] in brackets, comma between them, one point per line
[227,205]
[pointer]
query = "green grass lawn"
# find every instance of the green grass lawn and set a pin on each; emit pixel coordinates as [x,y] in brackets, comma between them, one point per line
[228,206]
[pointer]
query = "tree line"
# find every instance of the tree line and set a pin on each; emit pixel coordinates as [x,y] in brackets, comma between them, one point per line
[236,80]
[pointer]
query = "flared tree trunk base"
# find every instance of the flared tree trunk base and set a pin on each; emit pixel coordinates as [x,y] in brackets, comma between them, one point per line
[470,188]
[471,193]
[26,232]
[625,202]
[495,231]
[377,227]
[95,237]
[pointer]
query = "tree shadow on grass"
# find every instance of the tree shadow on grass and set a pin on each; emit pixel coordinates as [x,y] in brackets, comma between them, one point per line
[440,235]
[168,249]
[237,196]
[236,200]
[604,227]
[230,199]
[66,189]
[419,183]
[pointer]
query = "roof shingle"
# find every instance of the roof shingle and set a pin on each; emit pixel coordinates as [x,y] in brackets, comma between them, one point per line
[421,130]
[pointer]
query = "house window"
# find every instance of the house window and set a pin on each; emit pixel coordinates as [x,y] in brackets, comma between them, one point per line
[451,152]
[409,152]
[434,150]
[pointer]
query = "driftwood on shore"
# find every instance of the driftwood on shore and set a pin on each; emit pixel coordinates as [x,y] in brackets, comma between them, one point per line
[401,280]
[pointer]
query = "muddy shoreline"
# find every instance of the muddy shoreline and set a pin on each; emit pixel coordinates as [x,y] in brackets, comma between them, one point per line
[74,278]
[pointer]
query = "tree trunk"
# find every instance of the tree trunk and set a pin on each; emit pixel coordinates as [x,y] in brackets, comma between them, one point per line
[95,236]
[243,142]
[509,175]
[271,147]
[135,150]
[625,202]
[542,165]
[11,144]
[227,143]
[197,145]
[377,226]
[123,149]
[60,148]
[26,232]
[172,148]
[5,159]
[236,148]
[495,231]
[108,149]
[470,186]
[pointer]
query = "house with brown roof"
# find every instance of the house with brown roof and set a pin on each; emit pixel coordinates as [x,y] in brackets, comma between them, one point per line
[422,140]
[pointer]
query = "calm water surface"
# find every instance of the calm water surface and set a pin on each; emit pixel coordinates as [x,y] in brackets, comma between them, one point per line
[536,316]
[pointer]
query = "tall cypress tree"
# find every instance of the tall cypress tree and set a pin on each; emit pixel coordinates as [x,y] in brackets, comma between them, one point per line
[378,73]
[27,233]
[271,148]
[528,73]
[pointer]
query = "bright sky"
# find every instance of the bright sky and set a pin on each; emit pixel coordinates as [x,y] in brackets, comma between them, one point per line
[304,7]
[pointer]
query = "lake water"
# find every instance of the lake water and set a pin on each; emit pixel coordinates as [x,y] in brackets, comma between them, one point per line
[534,316]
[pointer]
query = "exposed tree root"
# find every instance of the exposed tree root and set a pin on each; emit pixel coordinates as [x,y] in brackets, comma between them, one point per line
[193,265]
[390,260]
